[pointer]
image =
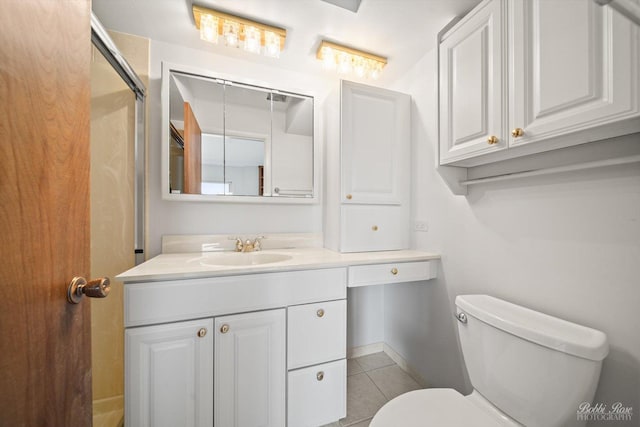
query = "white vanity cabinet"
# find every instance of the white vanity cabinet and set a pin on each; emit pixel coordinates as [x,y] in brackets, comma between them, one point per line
[368,169]
[169,374]
[229,367]
[317,350]
[250,369]
[525,76]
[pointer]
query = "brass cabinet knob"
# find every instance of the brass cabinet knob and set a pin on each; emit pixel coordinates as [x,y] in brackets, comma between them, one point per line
[320,376]
[202,332]
[492,140]
[224,328]
[349,196]
[394,271]
[320,312]
[517,132]
[374,228]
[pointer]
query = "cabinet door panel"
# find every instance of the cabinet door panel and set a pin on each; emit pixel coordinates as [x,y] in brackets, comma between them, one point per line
[169,375]
[250,369]
[471,85]
[574,66]
[375,142]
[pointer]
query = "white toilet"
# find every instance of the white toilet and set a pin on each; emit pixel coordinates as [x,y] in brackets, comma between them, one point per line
[526,368]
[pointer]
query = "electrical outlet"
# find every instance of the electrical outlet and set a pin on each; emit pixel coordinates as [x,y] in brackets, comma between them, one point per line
[421,226]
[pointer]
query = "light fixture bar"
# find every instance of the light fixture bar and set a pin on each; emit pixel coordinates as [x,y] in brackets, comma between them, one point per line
[347,60]
[319,54]
[199,11]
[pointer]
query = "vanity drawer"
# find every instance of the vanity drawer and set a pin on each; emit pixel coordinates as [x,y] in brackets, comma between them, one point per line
[379,274]
[318,394]
[316,333]
[374,228]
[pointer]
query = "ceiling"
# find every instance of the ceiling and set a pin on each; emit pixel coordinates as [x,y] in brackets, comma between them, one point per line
[402,30]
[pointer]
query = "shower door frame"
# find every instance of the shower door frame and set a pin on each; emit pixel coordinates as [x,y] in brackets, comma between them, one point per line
[103,42]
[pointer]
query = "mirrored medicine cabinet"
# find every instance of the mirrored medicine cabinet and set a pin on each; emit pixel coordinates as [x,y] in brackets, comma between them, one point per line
[228,141]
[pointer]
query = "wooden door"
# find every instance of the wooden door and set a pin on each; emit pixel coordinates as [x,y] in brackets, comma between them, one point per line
[375,142]
[170,381]
[192,152]
[472,69]
[45,360]
[250,369]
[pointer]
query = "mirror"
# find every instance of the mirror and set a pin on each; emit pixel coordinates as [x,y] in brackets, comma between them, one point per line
[232,139]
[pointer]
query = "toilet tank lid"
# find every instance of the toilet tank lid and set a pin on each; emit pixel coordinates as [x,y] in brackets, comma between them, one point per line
[536,327]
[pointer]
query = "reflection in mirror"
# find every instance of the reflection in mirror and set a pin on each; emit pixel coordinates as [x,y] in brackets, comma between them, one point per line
[232,139]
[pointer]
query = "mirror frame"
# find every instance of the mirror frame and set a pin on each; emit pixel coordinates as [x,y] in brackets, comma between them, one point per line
[167,68]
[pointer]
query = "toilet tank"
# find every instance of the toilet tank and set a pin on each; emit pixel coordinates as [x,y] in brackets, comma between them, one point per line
[534,367]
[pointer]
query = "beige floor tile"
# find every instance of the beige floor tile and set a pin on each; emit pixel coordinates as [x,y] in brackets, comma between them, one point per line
[364,423]
[392,381]
[374,361]
[363,399]
[353,367]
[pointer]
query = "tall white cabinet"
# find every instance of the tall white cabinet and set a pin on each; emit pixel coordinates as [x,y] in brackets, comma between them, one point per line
[367,169]
[525,76]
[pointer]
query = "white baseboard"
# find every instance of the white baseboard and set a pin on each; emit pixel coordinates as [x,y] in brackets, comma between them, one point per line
[394,355]
[365,350]
[402,363]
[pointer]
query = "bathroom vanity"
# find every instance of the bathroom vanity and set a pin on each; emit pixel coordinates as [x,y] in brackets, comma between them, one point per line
[246,339]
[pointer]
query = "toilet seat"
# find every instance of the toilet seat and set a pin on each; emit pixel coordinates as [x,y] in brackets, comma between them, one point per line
[437,407]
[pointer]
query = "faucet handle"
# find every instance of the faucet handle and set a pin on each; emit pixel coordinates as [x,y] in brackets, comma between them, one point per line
[257,243]
[239,243]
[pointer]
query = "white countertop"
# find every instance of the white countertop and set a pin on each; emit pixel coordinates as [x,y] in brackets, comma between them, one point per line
[193,265]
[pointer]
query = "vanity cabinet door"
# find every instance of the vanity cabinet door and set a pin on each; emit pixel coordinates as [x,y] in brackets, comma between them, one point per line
[250,369]
[375,125]
[472,61]
[169,375]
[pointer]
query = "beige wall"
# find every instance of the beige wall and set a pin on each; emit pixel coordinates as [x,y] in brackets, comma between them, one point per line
[112,214]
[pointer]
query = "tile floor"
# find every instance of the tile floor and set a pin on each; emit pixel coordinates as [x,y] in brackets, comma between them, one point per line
[372,381]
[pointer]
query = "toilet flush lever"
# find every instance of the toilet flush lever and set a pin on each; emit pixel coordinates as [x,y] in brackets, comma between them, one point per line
[462,318]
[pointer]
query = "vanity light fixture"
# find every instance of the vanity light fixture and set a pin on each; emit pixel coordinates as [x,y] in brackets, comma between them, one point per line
[347,60]
[238,32]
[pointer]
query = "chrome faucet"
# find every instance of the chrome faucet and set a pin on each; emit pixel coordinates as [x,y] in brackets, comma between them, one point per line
[249,245]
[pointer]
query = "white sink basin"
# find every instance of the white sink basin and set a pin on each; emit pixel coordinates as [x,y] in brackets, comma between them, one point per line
[240,258]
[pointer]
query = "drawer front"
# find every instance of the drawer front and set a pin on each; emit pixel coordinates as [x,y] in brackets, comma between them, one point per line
[379,274]
[374,228]
[316,333]
[318,394]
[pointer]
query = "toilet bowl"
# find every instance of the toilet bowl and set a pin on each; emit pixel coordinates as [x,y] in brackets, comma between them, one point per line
[526,368]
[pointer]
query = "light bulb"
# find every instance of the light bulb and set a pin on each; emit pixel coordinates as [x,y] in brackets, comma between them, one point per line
[209,28]
[251,39]
[328,58]
[271,44]
[230,32]
[344,63]
[359,66]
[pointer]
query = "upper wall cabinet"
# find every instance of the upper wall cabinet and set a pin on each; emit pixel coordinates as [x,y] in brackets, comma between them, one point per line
[368,169]
[373,144]
[526,76]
